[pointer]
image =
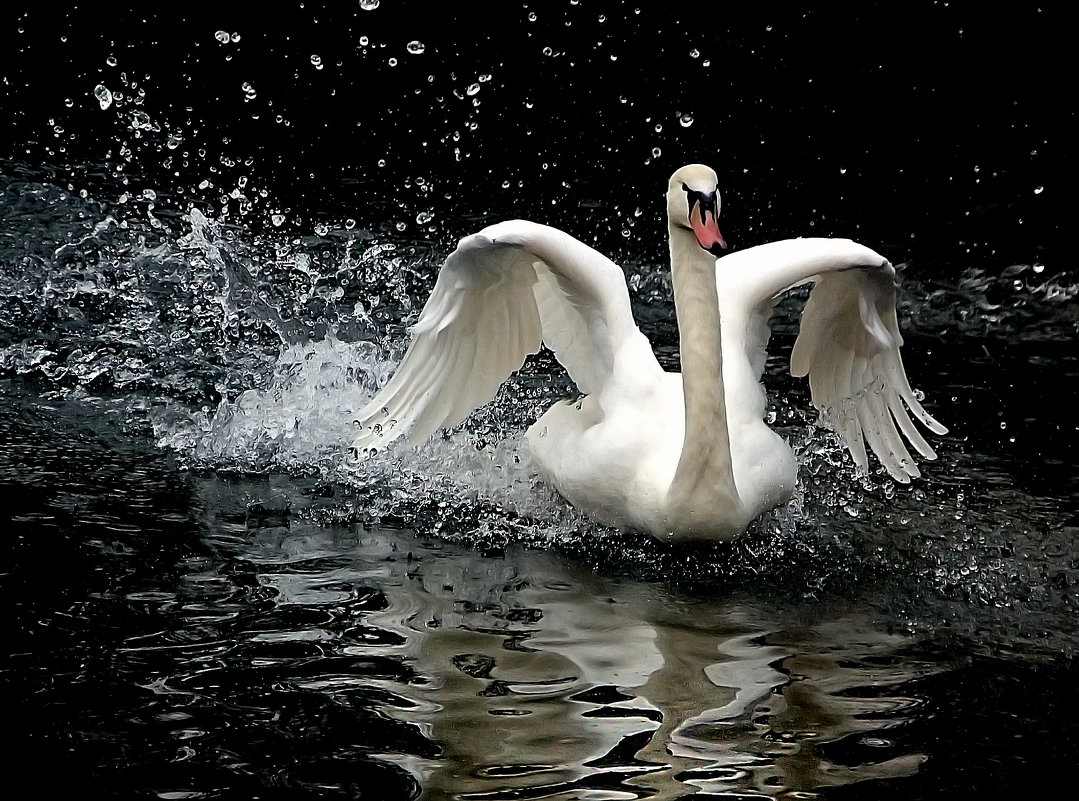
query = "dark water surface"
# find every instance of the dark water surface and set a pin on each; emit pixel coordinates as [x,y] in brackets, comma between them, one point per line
[213,233]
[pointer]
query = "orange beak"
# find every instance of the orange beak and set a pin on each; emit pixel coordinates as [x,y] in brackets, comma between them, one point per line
[706,228]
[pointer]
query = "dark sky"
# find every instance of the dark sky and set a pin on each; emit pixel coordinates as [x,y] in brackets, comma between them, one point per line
[922,125]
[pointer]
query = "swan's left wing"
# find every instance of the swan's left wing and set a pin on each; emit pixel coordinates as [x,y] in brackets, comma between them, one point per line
[848,344]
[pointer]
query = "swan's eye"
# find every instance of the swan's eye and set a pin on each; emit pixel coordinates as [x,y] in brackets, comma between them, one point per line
[707,202]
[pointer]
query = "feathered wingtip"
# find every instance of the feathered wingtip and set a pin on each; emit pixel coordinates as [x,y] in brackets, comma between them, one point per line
[857,380]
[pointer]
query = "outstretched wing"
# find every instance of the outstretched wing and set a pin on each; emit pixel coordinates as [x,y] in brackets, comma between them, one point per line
[848,343]
[498,296]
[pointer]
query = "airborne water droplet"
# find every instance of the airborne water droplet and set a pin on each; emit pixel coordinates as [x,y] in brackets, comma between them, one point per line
[686,120]
[368,5]
[415,47]
[103,95]
[222,36]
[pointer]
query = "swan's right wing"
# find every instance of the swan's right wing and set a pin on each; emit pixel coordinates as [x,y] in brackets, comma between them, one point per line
[498,296]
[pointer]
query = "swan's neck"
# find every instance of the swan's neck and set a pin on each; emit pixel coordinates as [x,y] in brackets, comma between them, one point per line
[703,481]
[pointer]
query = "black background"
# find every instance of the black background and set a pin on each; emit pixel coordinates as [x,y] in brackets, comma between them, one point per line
[941,130]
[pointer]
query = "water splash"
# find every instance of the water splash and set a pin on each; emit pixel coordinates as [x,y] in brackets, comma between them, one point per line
[250,349]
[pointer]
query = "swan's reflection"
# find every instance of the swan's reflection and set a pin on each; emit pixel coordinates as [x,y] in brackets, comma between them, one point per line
[537,678]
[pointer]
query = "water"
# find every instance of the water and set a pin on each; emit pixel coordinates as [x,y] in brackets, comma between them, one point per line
[208,599]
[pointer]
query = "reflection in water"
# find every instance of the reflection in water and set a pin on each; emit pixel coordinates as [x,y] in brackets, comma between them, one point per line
[530,677]
[171,639]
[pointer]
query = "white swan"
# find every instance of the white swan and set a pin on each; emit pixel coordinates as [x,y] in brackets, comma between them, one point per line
[680,456]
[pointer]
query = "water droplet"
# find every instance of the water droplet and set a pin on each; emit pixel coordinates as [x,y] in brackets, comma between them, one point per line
[69,102]
[111,61]
[694,53]
[140,121]
[415,47]
[424,217]
[656,152]
[401,226]
[531,16]
[316,60]
[368,5]
[103,95]
[222,36]
[1038,190]
[659,127]
[472,89]
[277,219]
[547,51]
[392,61]
[685,120]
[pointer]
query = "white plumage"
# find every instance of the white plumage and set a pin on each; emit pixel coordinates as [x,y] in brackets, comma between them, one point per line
[680,455]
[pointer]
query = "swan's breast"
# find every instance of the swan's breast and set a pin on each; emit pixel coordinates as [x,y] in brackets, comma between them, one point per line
[615,453]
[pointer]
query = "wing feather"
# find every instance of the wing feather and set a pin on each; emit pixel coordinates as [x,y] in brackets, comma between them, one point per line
[851,312]
[848,343]
[500,295]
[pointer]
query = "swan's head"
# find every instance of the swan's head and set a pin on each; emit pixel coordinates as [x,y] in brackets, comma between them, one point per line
[693,205]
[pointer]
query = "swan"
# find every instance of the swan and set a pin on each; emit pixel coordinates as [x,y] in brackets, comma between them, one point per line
[678,455]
